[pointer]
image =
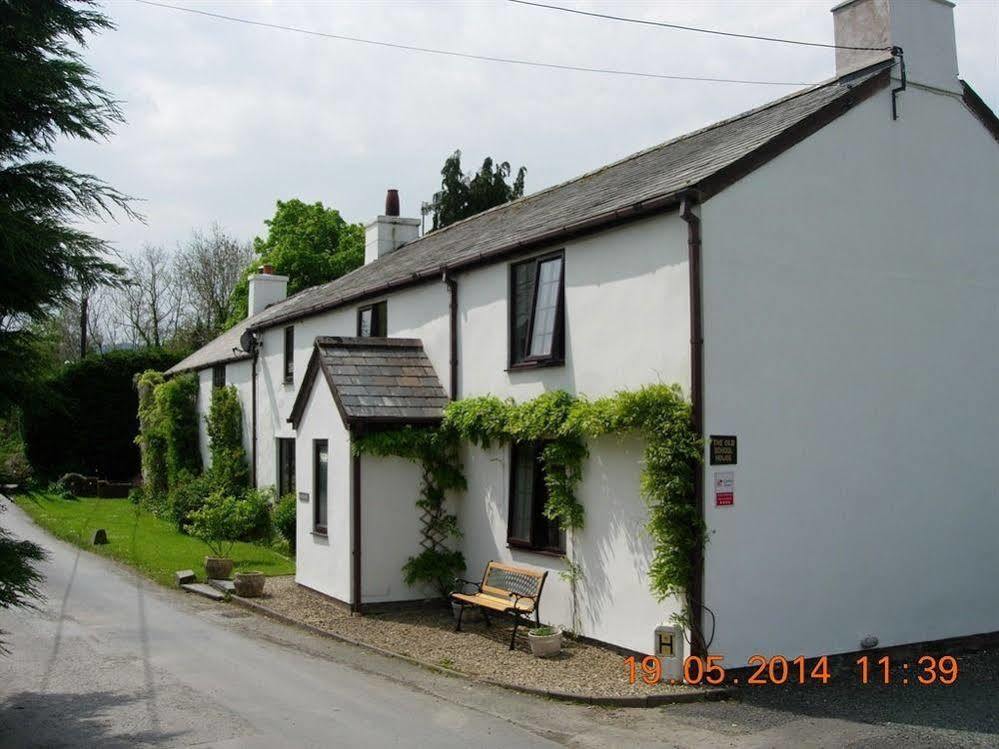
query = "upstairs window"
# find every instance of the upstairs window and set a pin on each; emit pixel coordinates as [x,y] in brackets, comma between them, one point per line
[218,376]
[537,314]
[289,353]
[372,321]
[527,526]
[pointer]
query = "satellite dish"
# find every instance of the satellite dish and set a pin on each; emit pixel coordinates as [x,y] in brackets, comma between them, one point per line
[248,341]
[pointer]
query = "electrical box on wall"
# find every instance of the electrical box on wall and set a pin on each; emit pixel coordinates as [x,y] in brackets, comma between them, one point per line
[669,649]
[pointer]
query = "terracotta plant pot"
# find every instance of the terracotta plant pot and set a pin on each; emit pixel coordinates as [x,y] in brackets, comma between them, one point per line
[546,646]
[249,584]
[218,568]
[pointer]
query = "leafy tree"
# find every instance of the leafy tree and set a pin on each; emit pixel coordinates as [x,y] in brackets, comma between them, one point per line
[47,91]
[19,578]
[464,195]
[309,243]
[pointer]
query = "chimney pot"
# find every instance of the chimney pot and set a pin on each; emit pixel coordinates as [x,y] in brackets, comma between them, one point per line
[267,269]
[392,203]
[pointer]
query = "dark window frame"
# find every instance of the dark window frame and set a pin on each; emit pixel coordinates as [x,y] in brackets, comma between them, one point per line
[379,319]
[289,354]
[524,360]
[317,496]
[540,525]
[218,376]
[286,481]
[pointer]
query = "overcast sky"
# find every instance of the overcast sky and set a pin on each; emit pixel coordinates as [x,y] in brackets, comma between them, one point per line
[224,118]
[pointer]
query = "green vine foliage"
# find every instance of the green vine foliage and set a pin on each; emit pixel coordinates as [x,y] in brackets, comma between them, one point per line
[151,440]
[224,423]
[658,413]
[177,404]
[436,452]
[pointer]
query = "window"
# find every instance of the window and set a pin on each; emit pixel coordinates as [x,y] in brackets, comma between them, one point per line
[372,321]
[320,474]
[536,311]
[527,525]
[289,353]
[218,376]
[286,466]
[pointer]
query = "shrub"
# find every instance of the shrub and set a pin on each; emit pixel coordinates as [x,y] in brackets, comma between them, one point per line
[434,567]
[224,423]
[258,503]
[223,520]
[285,513]
[187,495]
[229,471]
[151,439]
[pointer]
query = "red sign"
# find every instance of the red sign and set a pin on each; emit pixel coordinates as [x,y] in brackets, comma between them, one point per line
[724,498]
[724,488]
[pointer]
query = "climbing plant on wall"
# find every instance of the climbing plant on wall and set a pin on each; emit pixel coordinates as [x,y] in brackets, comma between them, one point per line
[224,424]
[436,452]
[177,406]
[151,442]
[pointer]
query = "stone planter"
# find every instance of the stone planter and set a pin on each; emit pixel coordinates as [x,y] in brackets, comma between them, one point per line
[249,584]
[546,646]
[218,568]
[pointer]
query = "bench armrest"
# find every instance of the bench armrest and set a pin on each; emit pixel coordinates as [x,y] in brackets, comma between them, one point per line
[517,597]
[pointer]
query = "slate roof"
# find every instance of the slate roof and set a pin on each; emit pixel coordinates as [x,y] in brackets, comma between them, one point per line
[222,350]
[375,380]
[645,180]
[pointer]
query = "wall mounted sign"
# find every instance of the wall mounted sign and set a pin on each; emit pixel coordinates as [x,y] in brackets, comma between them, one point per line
[723,450]
[724,488]
[303,496]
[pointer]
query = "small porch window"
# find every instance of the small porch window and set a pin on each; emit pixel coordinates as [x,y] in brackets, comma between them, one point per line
[372,321]
[286,466]
[320,481]
[527,526]
[537,314]
[218,376]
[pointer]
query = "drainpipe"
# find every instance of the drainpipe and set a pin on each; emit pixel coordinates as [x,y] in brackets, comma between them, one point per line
[253,419]
[452,288]
[355,552]
[695,595]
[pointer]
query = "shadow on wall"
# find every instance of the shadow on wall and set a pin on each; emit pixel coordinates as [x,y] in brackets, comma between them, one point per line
[620,528]
[72,719]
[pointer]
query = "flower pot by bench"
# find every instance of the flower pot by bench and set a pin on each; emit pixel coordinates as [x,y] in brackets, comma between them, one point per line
[249,584]
[218,568]
[545,645]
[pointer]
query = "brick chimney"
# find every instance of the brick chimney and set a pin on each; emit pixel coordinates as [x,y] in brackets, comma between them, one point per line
[266,288]
[389,232]
[924,29]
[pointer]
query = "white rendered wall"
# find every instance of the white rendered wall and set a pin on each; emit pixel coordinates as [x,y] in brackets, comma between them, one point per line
[236,373]
[390,529]
[850,317]
[324,562]
[627,324]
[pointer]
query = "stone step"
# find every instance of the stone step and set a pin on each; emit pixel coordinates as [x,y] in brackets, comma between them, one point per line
[226,586]
[204,590]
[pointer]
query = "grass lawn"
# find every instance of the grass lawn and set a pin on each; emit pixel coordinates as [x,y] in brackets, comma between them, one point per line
[138,538]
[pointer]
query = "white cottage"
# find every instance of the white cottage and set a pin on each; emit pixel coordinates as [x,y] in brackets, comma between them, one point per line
[819,274]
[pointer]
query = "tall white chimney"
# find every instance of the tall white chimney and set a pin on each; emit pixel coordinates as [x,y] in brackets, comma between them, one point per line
[924,29]
[266,289]
[389,232]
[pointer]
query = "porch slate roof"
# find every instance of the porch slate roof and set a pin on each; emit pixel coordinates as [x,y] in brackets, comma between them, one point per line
[382,380]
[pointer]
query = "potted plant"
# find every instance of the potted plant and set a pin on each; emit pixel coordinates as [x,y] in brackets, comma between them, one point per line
[220,522]
[249,584]
[546,642]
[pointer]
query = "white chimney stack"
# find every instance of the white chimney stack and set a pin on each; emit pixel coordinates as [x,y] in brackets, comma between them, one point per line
[924,29]
[389,232]
[266,289]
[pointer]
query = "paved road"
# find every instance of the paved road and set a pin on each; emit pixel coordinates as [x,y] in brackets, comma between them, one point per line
[112,660]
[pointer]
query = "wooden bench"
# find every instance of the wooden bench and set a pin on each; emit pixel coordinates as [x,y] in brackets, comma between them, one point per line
[505,588]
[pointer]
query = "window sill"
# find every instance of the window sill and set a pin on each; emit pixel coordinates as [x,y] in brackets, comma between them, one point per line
[288,382]
[320,533]
[533,550]
[539,364]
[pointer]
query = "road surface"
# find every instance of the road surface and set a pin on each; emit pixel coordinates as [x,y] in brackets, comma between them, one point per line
[113,660]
